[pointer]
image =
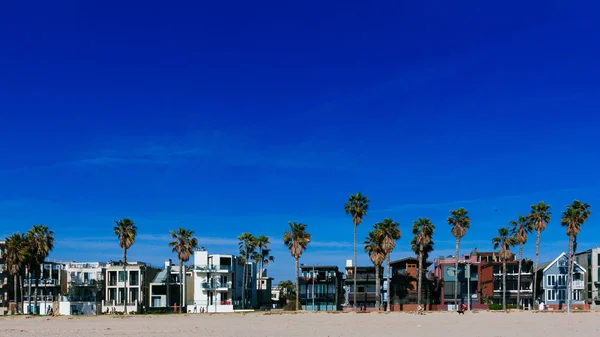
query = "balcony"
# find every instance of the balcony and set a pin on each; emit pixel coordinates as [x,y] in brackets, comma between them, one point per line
[84,283]
[362,277]
[578,284]
[213,268]
[41,283]
[363,296]
[216,285]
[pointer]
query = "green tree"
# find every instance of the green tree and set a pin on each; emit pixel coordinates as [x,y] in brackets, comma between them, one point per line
[126,231]
[374,247]
[286,288]
[183,245]
[296,240]
[247,245]
[459,221]
[41,242]
[423,232]
[575,216]
[357,206]
[390,233]
[504,242]
[540,216]
[520,231]
[16,256]
[263,258]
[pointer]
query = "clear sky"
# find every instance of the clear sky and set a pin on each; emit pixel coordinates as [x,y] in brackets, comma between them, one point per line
[241,116]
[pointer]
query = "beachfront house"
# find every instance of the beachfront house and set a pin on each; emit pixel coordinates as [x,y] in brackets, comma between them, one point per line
[366,294]
[47,278]
[491,271]
[4,282]
[403,284]
[217,283]
[136,282]
[166,287]
[82,285]
[320,288]
[590,261]
[554,283]
[467,277]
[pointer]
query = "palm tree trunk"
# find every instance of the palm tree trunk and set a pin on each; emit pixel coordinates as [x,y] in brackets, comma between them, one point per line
[297,284]
[244,281]
[537,257]
[389,290]
[570,274]
[519,277]
[29,291]
[377,290]
[35,296]
[15,292]
[504,285]
[181,285]
[420,276]
[456,274]
[354,288]
[126,279]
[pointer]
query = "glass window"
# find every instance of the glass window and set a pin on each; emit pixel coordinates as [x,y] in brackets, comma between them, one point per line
[562,295]
[562,280]
[121,276]
[551,280]
[134,278]
[550,295]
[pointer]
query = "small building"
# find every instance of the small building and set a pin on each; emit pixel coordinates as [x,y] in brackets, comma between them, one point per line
[131,289]
[468,278]
[403,283]
[48,279]
[264,284]
[590,261]
[554,283]
[491,271]
[217,283]
[166,287]
[320,288]
[82,288]
[366,293]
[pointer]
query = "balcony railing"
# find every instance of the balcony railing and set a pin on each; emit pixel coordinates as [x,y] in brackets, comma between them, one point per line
[216,285]
[215,268]
[42,298]
[48,282]
[362,277]
[578,284]
[85,282]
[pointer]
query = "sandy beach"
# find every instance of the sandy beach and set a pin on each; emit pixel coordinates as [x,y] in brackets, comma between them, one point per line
[488,324]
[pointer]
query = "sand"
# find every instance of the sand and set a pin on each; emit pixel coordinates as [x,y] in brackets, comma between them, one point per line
[488,324]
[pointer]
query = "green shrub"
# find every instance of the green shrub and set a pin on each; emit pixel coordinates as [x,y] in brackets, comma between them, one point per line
[290,306]
[496,306]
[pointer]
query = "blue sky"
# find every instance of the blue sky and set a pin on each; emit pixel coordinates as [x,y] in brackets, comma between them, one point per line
[243,116]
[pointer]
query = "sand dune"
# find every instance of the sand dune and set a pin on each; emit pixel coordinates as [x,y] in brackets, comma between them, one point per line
[488,324]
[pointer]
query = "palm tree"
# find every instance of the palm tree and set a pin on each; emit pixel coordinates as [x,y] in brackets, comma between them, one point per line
[286,288]
[540,216]
[357,206]
[41,242]
[374,247]
[125,230]
[16,255]
[264,258]
[504,241]
[460,222]
[247,244]
[183,244]
[520,229]
[296,239]
[390,234]
[423,231]
[575,216]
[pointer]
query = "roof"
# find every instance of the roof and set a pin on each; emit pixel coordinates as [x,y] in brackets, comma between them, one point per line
[556,260]
[320,267]
[410,259]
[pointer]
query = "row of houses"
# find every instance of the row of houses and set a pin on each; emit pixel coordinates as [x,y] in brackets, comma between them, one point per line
[479,278]
[213,283]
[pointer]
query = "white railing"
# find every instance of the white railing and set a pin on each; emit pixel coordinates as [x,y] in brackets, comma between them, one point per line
[578,284]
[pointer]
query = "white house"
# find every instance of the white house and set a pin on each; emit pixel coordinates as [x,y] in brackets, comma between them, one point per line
[84,288]
[136,283]
[166,287]
[217,281]
[48,279]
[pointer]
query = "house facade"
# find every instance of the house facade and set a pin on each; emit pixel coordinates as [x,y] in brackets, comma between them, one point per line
[554,283]
[218,281]
[468,278]
[366,294]
[166,287]
[4,281]
[320,288]
[490,275]
[403,283]
[264,284]
[82,288]
[136,282]
[48,281]
[590,261]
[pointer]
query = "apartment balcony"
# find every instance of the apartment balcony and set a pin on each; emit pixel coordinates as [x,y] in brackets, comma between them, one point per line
[41,283]
[514,291]
[85,283]
[41,298]
[578,284]
[363,296]
[213,268]
[216,286]
[362,277]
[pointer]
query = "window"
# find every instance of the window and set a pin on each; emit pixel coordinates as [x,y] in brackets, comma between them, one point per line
[562,280]
[550,295]
[121,276]
[562,295]
[576,295]
[134,294]
[551,280]
[134,278]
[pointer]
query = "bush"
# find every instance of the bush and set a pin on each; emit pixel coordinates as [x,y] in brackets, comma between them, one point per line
[496,306]
[290,306]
